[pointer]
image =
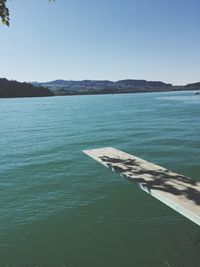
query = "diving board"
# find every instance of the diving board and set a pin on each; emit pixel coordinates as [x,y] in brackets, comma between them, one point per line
[177,191]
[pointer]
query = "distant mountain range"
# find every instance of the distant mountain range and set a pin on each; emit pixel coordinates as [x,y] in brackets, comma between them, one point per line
[70,87]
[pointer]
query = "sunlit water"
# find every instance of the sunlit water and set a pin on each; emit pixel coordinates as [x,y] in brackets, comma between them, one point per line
[60,208]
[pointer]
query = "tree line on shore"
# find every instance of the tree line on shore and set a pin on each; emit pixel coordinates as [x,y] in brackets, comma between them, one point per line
[13,88]
[18,89]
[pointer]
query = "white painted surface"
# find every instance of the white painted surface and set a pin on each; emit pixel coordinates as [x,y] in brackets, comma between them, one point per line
[177,191]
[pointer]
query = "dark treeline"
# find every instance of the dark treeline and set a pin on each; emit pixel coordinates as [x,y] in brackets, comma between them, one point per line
[18,89]
[193,86]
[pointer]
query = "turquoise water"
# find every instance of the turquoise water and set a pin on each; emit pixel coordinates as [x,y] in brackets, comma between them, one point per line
[60,208]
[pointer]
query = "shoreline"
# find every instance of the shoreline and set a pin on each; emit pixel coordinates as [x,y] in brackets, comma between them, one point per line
[103,93]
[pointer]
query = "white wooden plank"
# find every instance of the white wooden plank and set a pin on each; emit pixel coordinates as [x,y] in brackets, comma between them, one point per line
[177,191]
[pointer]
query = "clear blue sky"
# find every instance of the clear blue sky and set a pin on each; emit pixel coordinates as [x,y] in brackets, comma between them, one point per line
[102,39]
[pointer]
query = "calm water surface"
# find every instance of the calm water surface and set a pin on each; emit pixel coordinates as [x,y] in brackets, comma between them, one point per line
[60,208]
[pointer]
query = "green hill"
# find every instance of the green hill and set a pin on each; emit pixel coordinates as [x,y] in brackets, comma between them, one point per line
[18,89]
